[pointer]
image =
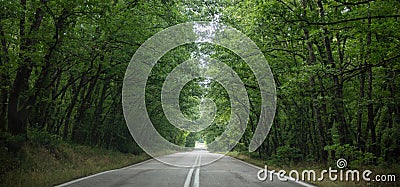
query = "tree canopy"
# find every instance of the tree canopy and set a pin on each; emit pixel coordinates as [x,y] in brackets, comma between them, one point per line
[335,63]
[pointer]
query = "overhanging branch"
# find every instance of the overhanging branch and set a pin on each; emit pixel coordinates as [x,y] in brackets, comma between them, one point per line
[347,20]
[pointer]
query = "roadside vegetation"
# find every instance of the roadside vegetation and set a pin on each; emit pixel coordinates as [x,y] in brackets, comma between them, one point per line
[287,165]
[45,161]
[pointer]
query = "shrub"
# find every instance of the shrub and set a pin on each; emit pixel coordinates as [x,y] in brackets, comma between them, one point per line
[44,138]
[285,155]
[354,157]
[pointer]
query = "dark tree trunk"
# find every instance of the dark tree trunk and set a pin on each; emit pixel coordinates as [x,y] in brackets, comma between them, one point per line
[315,106]
[370,107]
[4,82]
[360,138]
[98,112]
[75,92]
[344,136]
[78,136]
[18,103]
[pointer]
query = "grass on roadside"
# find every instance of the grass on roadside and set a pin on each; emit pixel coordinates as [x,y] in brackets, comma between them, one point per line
[39,166]
[393,170]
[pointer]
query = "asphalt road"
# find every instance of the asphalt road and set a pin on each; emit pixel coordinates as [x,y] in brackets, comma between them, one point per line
[227,171]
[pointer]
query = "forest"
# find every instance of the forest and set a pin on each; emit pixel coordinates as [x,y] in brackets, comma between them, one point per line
[336,67]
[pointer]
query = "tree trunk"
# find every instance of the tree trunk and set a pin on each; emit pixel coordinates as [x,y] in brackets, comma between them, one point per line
[4,82]
[315,107]
[370,106]
[77,136]
[19,104]
[360,139]
[75,92]
[344,136]
[98,112]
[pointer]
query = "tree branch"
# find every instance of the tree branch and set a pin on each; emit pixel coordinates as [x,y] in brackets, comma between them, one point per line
[348,20]
[355,3]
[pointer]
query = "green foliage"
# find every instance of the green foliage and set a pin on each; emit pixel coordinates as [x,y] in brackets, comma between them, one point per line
[351,98]
[353,156]
[14,143]
[43,138]
[9,149]
[390,146]
[285,155]
[191,139]
[241,148]
[337,76]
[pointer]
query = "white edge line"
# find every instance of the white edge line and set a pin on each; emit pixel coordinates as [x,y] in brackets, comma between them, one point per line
[104,172]
[286,177]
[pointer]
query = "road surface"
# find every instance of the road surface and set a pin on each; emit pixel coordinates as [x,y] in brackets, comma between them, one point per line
[227,171]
